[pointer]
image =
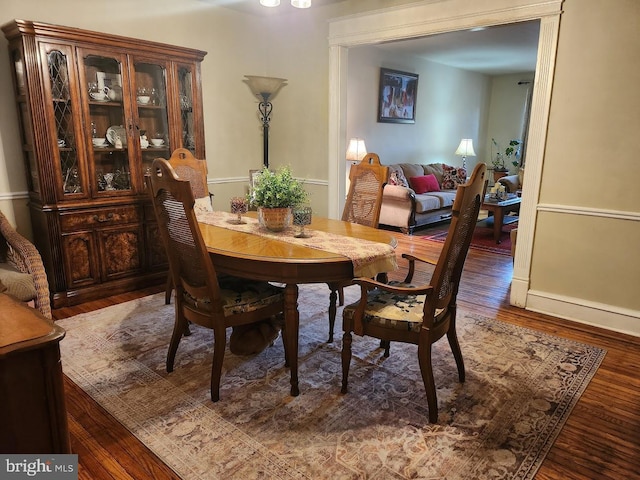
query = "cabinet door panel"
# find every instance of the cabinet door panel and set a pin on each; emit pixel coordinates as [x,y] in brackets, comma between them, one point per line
[109,124]
[81,259]
[64,113]
[152,119]
[121,251]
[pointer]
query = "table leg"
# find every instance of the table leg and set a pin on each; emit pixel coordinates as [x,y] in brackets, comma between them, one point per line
[498,218]
[292,322]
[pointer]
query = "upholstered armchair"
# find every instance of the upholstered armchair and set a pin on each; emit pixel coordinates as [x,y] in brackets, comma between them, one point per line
[22,273]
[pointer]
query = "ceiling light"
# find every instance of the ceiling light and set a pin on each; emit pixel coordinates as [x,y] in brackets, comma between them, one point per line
[269,3]
[301,3]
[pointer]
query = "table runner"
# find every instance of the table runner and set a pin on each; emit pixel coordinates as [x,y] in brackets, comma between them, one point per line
[368,258]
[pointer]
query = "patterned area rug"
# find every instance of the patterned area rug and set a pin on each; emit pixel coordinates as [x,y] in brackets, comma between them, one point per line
[521,386]
[482,238]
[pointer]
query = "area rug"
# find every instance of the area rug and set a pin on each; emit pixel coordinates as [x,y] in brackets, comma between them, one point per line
[482,238]
[521,386]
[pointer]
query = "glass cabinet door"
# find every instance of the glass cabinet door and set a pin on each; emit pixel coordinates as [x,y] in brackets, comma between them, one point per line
[66,125]
[151,103]
[107,130]
[186,84]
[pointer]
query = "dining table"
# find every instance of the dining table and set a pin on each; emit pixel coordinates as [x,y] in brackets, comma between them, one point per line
[333,252]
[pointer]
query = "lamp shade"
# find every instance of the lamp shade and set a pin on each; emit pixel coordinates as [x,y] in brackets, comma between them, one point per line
[264,87]
[356,150]
[301,3]
[465,149]
[269,3]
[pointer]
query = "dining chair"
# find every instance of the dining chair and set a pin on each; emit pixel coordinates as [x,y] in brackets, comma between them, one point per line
[202,297]
[187,167]
[420,314]
[364,200]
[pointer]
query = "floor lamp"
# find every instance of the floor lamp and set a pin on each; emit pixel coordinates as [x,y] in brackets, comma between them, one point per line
[264,88]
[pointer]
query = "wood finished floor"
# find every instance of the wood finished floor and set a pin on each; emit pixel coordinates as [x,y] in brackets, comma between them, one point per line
[600,440]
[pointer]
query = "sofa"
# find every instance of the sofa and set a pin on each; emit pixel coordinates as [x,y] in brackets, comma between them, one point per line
[418,195]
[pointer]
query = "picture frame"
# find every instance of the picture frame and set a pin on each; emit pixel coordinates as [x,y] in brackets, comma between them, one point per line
[109,80]
[397,96]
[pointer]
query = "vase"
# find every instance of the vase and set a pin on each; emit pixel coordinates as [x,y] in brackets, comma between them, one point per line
[274,219]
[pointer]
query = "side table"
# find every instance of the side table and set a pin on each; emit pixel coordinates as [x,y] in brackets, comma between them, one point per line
[32,406]
[499,209]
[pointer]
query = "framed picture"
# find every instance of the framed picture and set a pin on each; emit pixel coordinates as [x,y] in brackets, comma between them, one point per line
[108,80]
[397,96]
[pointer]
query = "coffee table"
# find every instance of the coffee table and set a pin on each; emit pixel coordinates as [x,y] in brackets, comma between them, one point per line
[499,209]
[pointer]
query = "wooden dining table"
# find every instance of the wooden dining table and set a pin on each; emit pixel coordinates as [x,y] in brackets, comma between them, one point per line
[255,256]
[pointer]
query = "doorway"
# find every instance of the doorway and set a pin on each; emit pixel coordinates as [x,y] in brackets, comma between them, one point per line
[428,19]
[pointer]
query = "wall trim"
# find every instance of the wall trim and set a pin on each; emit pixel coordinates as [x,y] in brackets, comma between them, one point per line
[218,181]
[588,211]
[584,311]
[9,196]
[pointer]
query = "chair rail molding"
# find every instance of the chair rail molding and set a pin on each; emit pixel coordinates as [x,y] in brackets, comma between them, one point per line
[415,20]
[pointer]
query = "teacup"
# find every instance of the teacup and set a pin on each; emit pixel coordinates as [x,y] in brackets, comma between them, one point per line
[156,142]
[98,95]
[143,99]
[99,142]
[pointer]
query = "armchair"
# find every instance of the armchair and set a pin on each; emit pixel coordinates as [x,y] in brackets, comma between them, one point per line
[420,314]
[21,269]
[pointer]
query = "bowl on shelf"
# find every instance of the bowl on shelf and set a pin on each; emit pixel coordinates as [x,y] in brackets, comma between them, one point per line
[157,142]
[99,142]
[99,96]
[143,99]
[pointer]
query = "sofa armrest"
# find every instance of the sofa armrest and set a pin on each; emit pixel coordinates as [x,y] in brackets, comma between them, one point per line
[397,193]
[24,256]
[398,207]
[511,183]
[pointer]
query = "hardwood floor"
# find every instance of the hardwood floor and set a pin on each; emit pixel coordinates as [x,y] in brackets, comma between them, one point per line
[600,440]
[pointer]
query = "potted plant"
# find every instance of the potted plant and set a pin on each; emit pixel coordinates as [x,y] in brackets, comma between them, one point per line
[275,193]
[498,162]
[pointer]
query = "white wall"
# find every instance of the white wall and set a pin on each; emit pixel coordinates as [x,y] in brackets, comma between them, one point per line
[452,104]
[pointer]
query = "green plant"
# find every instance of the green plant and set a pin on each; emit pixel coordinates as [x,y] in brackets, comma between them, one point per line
[498,161]
[277,189]
[511,150]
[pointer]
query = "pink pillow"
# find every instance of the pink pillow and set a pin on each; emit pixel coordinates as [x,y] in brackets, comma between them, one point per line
[424,184]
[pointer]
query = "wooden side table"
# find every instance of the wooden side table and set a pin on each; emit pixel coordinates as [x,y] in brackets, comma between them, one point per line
[499,208]
[32,406]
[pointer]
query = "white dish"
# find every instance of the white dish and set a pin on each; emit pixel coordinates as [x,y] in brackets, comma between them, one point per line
[115,131]
[157,142]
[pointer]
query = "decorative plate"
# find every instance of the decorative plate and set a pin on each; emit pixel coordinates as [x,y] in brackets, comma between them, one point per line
[115,131]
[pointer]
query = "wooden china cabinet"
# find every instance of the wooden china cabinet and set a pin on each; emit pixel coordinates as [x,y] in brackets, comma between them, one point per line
[95,110]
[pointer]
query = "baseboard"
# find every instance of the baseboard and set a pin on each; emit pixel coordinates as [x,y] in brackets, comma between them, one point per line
[583,311]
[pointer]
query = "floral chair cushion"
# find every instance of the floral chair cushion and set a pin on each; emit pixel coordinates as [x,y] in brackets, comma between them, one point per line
[390,310]
[240,295]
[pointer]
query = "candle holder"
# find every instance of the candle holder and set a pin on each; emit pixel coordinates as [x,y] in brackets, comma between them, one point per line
[301,218]
[238,206]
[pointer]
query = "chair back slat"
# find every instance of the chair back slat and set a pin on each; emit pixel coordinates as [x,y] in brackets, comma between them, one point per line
[173,201]
[187,167]
[465,210]
[364,199]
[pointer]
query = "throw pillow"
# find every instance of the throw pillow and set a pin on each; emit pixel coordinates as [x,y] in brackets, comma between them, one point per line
[396,176]
[424,184]
[202,205]
[452,177]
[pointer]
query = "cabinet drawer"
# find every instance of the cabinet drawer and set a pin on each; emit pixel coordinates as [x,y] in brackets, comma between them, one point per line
[90,219]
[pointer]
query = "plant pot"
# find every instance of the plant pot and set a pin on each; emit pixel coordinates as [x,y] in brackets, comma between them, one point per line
[274,219]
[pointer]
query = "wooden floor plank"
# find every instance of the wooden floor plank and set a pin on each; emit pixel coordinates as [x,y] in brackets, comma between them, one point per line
[600,440]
